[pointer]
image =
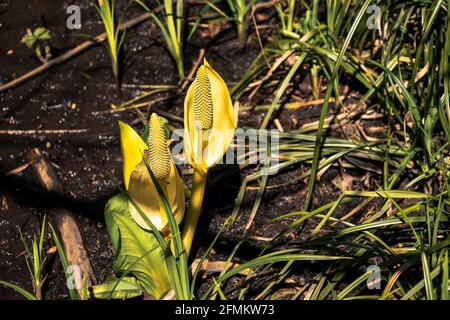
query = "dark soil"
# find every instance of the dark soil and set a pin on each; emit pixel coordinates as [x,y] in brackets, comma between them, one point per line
[78,95]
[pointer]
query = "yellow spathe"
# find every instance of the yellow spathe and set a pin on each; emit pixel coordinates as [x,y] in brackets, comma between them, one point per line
[138,182]
[205,143]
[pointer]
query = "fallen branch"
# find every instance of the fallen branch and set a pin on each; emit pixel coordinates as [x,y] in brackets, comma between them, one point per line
[18,170]
[194,68]
[41,132]
[63,220]
[209,267]
[70,54]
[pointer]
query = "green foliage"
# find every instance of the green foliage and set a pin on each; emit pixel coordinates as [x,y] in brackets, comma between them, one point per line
[118,288]
[27,295]
[402,224]
[35,260]
[114,36]
[138,253]
[32,38]
[175,257]
[239,12]
[172,28]
[37,40]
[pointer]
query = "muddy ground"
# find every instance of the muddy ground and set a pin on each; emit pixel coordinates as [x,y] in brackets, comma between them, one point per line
[78,95]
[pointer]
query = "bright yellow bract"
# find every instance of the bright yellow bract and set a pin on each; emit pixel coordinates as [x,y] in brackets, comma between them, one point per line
[208,118]
[138,181]
[132,147]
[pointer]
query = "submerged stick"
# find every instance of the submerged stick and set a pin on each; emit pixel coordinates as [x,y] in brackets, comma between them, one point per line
[187,80]
[33,132]
[72,53]
[63,220]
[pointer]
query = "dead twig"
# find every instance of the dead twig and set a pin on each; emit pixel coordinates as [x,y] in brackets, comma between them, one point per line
[41,132]
[63,220]
[18,170]
[257,84]
[168,115]
[217,267]
[191,74]
[259,37]
[293,105]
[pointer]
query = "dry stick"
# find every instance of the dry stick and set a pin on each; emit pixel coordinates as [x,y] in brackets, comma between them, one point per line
[292,105]
[70,54]
[150,104]
[257,84]
[217,267]
[41,132]
[259,37]
[146,104]
[197,63]
[63,220]
[17,170]
[168,115]
[134,106]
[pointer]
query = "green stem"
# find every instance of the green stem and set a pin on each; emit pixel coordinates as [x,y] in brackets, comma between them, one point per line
[180,66]
[242,33]
[194,210]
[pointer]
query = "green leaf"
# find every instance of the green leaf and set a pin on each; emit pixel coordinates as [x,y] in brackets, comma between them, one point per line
[41,34]
[427,277]
[176,263]
[138,252]
[19,290]
[28,39]
[113,229]
[115,288]
[323,112]
[74,295]
[444,283]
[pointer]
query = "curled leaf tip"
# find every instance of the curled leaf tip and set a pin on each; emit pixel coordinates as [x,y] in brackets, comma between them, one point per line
[203,107]
[158,155]
[132,147]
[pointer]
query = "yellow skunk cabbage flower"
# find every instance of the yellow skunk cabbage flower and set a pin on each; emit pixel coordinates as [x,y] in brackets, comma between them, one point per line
[138,181]
[208,119]
[132,147]
[208,131]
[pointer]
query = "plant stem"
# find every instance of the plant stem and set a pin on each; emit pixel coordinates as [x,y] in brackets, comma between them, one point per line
[242,34]
[38,291]
[180,66]
[194,210]
[115,68]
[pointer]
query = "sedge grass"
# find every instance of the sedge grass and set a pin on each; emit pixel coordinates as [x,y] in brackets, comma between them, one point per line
[406,79]
[114,37]
[236,12]
[239,15]
[36,263]
[406,232]
[171,26]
